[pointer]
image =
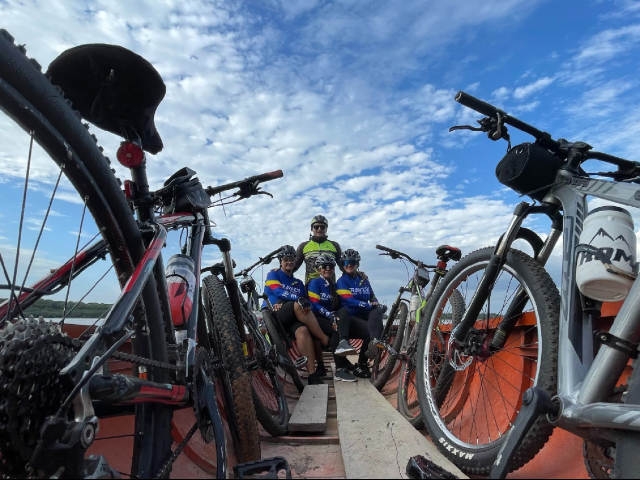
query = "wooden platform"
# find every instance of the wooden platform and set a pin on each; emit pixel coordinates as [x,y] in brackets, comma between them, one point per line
[376,441]
[310,413]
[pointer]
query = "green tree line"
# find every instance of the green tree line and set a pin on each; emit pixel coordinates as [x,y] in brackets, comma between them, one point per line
[54,309]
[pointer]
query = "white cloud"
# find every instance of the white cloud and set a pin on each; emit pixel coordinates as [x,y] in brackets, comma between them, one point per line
[607,44]
[540,84]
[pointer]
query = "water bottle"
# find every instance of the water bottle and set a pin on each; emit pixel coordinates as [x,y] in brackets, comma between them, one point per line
[181,283]
[610,230]
[414,305]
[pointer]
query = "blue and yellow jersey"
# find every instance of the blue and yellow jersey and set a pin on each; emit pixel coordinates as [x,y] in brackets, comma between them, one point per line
[320,296]
[280,286]
[355,293]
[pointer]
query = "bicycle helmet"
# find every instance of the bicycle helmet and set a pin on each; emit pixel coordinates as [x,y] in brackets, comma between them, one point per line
[320,219]
[286,251]
[350,254]
[325,259]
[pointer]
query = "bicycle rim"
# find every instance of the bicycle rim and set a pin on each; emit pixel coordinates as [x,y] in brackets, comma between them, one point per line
[80,176]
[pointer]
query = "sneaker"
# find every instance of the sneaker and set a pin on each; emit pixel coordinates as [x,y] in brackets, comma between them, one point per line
[314,379]
[344,349]
[343,375]
[321,371]
[362,371]
[350,366]
[372,350]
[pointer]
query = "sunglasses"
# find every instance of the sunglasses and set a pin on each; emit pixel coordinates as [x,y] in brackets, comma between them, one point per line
[319,227]
[350,263]
[327,267]
[288,259]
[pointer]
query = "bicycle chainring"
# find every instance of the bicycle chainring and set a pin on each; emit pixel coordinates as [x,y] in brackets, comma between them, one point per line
[205,425]
[599,461]
[32,353]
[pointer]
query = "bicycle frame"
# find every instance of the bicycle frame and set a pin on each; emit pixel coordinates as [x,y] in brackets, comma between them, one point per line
[585,380]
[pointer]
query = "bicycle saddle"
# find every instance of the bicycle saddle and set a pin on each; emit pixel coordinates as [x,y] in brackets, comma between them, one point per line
[448,253]
[113,88]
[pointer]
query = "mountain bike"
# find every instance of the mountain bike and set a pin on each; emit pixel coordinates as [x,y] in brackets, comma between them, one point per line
[288,360]
[402,334]
[58,390]
[521,349]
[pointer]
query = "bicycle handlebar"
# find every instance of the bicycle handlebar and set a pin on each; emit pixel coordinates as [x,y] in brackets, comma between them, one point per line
[543,138]
[400,254]
[263,261]
[264,177]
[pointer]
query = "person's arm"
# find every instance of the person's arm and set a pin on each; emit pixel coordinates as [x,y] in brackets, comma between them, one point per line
[314,298]
[347,298]
[338,255]
[299,257]
[276,289]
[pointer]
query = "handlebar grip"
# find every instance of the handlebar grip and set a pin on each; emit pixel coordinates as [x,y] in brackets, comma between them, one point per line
[605,157]
[477,104]
[265,177]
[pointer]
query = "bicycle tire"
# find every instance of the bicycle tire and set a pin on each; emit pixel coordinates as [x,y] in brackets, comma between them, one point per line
[542,291]
[275,422]
[235,378]
[35,104]
[380,375]
[406,382]
[281,347]
[626,460]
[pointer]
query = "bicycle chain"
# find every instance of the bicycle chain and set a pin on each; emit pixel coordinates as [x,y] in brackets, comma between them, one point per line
[166,468]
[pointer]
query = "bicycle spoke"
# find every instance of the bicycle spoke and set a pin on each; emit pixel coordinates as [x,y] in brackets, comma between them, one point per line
[12,293]
[24,202]
[44,223]
[86,294]
[73,264]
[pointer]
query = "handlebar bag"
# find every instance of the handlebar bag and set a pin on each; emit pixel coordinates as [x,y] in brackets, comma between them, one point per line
[529,169]
[183,192]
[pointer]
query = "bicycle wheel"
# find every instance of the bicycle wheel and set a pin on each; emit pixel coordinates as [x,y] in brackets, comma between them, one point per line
[234,377]
[383,364]
[408,404]
[32,103]
[276,339]
[470,401]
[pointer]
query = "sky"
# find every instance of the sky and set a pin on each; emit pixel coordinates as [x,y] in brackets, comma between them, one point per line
[352,100]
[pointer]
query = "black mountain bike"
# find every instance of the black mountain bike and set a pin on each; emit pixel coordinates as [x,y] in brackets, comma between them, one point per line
[55,389]
[399,338]
[288,361]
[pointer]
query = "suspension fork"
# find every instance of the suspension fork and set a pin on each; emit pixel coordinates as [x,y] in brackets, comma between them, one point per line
[520,298]
[490,274]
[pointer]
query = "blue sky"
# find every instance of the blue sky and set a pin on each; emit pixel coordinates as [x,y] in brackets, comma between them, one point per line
[352,100]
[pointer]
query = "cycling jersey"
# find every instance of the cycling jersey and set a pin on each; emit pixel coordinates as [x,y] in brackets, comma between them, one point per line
[355,293]
[320,293]
[282,287]
[307,252]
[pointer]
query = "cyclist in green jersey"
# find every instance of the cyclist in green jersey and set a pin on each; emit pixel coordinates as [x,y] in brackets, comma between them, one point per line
[318,244]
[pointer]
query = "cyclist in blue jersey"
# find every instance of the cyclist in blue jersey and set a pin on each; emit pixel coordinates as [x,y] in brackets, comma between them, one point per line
[287,294]
[361,305]
[325,304]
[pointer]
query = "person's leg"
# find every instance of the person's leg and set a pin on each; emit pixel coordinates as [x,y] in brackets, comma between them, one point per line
[375,323]
[327,327]
[344,324]
[304,342]
[360,329]
[311,322]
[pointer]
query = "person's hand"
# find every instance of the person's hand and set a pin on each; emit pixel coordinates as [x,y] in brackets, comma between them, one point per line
[305,304]
[334,322]
[277,307]
[374,304]
[363,275]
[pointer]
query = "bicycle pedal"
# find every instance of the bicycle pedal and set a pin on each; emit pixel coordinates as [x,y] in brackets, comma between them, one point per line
[421,468]
[269,466]
[300,362]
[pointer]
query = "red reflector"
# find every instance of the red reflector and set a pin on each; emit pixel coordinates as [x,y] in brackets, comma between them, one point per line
[129,189]
[130,155]
[442,265]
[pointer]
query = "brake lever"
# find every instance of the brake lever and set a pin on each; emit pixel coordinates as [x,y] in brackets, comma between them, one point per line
[466,127]
[263,193]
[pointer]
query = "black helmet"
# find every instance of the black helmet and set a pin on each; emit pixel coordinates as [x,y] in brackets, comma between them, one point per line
[350,254]
[320,219]
[286,251]
[325,259]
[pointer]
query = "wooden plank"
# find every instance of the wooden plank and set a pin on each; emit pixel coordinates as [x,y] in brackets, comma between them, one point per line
[310,414]
[376,441]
